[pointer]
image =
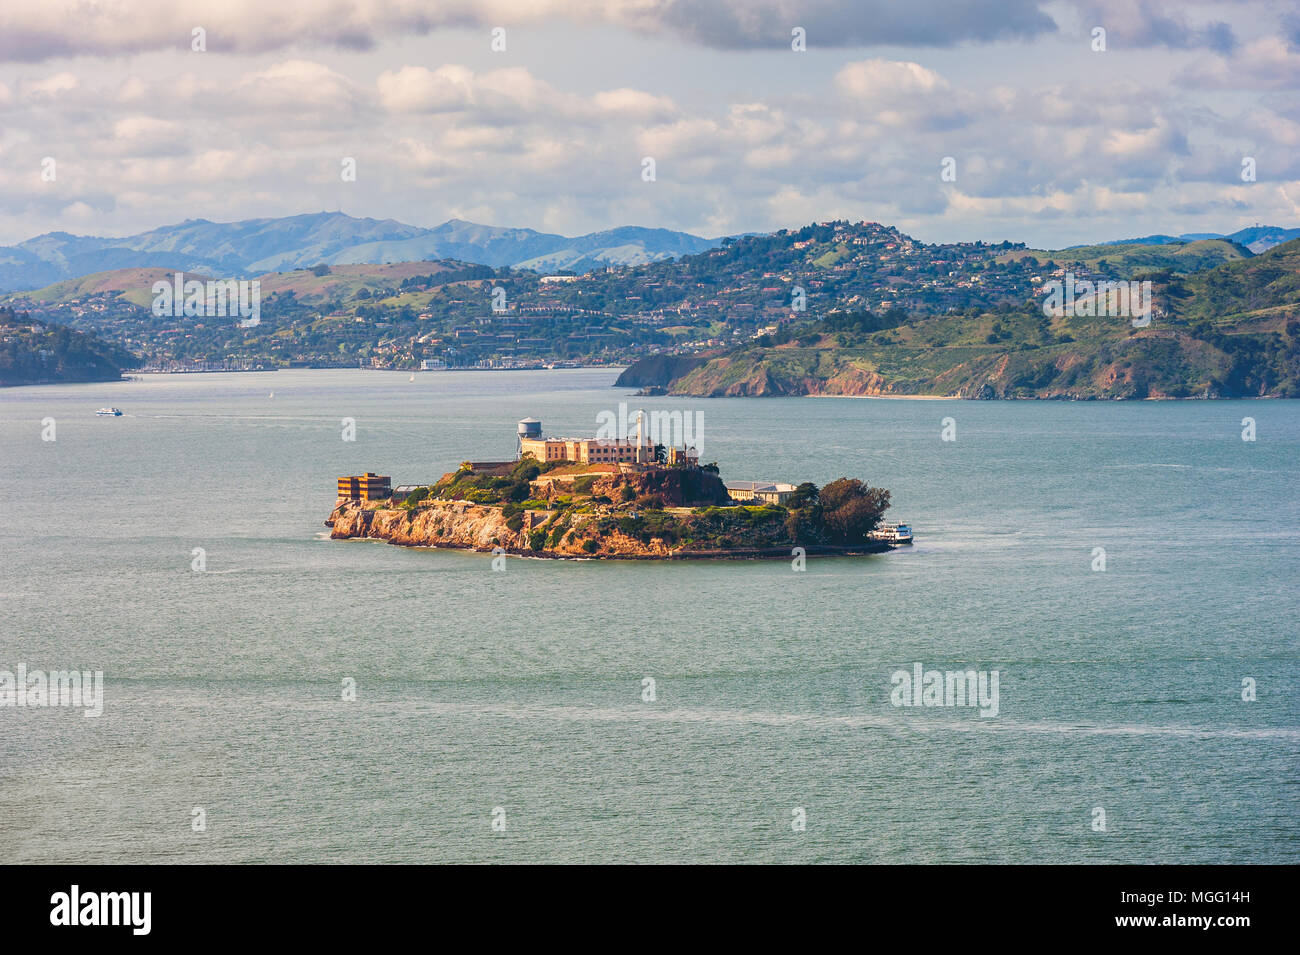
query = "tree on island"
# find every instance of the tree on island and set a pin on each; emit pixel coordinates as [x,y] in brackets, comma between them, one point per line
[851,510]
[843,512]
[802,496]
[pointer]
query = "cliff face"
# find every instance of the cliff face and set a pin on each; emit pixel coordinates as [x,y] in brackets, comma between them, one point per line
[749,376]
[657,370]
[441,524]
[461,524]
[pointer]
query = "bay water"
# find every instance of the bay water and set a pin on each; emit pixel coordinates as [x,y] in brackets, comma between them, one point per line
[504,716]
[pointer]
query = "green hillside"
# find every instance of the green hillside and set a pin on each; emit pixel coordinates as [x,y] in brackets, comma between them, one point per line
[758,315]
[1259,291]
[34,352]
[1127,261]
[1230,332]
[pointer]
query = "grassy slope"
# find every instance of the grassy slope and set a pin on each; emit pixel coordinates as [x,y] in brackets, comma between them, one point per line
[342,282]
[1129,260]
[135,285]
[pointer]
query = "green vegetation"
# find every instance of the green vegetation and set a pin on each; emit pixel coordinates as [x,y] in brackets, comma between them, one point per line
[1127,261]
[884,314]
[33,351]
[394,316]
[1228,332]
[415,497]
[467,485]
[840,515]
[659,507]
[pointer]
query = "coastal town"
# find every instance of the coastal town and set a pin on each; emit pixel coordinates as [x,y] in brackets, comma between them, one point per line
[613,497]
[449,315]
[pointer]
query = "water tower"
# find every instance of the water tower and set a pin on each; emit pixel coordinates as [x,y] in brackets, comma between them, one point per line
[528,428]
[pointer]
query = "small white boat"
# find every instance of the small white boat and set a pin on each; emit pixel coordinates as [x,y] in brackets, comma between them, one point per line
[109,412]
[892,534]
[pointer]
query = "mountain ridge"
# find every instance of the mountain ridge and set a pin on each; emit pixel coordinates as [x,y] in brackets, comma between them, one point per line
[248,248]
[1257,238]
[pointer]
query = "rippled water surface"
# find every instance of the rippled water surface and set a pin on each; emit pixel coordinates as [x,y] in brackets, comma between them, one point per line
[522,690]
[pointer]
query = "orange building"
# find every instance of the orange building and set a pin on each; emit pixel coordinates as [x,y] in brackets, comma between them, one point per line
[365,487]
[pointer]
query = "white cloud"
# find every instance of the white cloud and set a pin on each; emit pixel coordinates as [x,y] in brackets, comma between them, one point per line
[1267,63]
[417,89]
[50,86]
[876,81]
[163,137]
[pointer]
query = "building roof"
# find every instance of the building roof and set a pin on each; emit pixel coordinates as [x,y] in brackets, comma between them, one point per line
[600,442]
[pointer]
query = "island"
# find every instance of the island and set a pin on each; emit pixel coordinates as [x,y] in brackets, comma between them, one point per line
[611,498]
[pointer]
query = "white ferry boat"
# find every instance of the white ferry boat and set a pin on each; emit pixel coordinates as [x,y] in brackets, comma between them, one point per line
[892,534]
[112,412]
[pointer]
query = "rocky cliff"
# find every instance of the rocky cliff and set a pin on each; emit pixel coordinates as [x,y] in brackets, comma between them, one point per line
[461,524]
[561,533]
[658,370]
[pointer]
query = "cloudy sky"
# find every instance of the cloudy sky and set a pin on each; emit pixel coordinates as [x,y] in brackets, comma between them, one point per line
[1054,142]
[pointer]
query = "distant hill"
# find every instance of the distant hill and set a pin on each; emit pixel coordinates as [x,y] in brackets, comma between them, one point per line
[631,245]
[37,352]
[256,246]
[1257,239]
[307,286]
[1260,291]
[829,308]
[1126,259]
[1229,332]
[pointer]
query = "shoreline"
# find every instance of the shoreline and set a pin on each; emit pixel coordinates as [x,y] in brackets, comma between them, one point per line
[753,553]
[891,397]
[395,371]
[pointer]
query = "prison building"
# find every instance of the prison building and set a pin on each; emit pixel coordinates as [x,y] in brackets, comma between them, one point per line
[763,491]
[365,487]
[589,450]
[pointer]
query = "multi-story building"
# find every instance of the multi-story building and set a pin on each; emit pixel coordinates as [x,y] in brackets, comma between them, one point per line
[629,450]
[365,487]
[589,450]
